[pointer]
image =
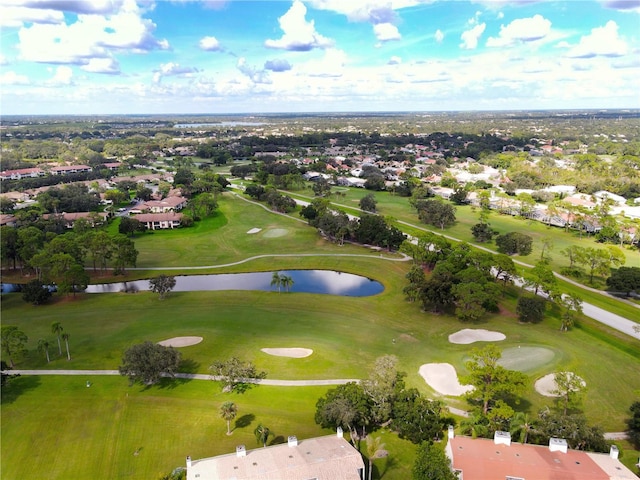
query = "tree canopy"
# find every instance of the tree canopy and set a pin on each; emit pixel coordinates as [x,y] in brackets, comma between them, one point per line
[147,362]
[235,374]
[162,285]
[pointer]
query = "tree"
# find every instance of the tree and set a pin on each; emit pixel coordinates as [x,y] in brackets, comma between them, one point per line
[625,280]
[503,267]
[633,424]
[129,226]
[472,298]
[547,246]
[65,337]
[383,383]
[228,412]
[124,253]
[541,277]
[235,374]
[146,362]
[418,419]
[521,425]
[276,280]
[569,389]
[482,232]
[432,464]
[12,341]
[286,281]
[599,261]
[531,308]
[35,292]
[571,310]
[490,380]
[75,279]
[436,212]
[574,428]
[346,406]
[43,347]
[514,242]
[162,285]
[375,449]
[368,203]
[56,329]
[262,434]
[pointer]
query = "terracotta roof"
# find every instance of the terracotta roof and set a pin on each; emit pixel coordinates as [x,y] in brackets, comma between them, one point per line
[482,459]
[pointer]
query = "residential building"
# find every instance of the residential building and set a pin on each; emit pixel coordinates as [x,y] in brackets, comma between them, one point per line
[67,169]
[500,459]
[169,204]
[22,173]
[94,218]
[159,221]
[321,458]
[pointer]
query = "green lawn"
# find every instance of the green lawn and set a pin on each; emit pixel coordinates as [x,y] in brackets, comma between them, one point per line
[56,427]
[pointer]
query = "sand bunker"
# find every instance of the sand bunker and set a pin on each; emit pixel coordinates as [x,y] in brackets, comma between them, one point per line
[442,377]
[254,230]
[288,352]
[275,232]
[547,384]
[469,335]
[180,341]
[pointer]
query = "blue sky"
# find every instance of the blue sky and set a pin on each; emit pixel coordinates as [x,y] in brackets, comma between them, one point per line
[215,56]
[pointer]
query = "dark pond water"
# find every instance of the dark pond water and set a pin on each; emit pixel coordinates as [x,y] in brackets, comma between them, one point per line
[307,281]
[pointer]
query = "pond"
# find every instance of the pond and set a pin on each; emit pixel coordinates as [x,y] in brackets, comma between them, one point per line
[306,281]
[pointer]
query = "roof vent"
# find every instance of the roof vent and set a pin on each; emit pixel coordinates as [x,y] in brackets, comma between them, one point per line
[502,438]
[557,445]
[241,451]
[293,441]
[614,452]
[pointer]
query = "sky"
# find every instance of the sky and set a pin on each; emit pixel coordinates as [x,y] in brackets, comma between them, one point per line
[87,57]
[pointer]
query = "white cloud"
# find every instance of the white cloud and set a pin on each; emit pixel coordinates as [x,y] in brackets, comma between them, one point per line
[210,44]
[91,36]
[386,31]
[373,11]
[521,30]
[102,65]
[17,16]
[172,69]
[254,74]
[3,60]
[277,65]
[104,7]
[63,76]
[331,64]
[298,34]
[602,41]
[439,36]
[12,78]
[395,60]
[500,15]
[470,37]
[623,5]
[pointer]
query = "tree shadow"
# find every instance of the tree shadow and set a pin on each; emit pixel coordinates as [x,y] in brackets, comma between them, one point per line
[388,465]
[277,440]
[16,385]
[167,383]
[189,365]
[245,420]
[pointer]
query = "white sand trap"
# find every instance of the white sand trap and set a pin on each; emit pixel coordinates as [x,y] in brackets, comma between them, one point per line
[442,377]
[254,230]
[471,335]
[288,352]
[275,232]
[180,341]
[547,384]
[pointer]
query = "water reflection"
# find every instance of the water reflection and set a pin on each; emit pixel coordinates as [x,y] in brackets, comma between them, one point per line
[307,281]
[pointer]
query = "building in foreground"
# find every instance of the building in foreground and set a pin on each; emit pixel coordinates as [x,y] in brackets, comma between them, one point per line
[499,459]
[321,458]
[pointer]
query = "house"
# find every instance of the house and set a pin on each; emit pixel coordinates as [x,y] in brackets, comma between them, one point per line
[159,221]
[481,459]
[22,173]
[94,218]
[321,458]
[67,169]
[113,166]
[169,204]
[8,220]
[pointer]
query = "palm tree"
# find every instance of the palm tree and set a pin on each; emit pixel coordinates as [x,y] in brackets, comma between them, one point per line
[56,328]
[228,412]
[276,280]
[65,337]
[375,450]
[43,347]
[522,424]
[262,434]
[286,282]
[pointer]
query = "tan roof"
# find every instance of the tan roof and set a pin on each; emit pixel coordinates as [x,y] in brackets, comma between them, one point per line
[322,458]
[158,217]
[482,459]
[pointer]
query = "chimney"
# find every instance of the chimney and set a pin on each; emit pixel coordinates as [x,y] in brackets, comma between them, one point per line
[450,433]
[241,451]
[557,445]
[502,438]
[614,452]
[188,461]
[293,441]
[339,432]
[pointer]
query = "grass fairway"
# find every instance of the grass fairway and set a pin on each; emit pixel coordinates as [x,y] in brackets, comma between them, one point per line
[56,427]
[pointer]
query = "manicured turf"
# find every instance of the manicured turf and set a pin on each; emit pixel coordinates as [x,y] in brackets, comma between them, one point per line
[56,427]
